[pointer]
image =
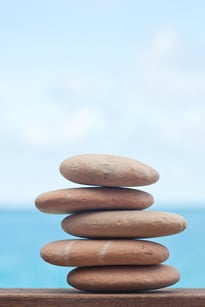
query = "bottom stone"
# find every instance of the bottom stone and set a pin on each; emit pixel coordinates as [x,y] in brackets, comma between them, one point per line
[123,278]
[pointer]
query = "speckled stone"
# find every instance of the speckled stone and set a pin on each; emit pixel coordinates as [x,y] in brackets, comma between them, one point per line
[104,252]
[123,224]
[77,199]
[107,170]
[123,278]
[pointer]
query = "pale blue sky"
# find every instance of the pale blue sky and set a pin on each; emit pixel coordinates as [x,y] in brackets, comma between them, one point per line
[121,77]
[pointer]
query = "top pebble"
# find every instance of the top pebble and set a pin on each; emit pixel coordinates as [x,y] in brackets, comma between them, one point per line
[108,171]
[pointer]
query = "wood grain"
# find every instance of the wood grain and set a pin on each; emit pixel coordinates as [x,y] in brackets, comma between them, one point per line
[67,297]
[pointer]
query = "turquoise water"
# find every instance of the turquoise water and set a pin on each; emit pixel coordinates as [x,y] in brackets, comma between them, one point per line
[23,233]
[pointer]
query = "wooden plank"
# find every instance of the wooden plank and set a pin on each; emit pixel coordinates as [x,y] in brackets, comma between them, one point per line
[67,297]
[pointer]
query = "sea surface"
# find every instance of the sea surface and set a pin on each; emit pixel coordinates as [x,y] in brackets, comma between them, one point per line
[24,232]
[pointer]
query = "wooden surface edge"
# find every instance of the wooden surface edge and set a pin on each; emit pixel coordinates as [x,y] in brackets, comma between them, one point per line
[175,297]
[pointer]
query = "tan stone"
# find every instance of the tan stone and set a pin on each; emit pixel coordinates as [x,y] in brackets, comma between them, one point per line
[104,252]
[77,199]
[107,170]
[123,224]
[123,278]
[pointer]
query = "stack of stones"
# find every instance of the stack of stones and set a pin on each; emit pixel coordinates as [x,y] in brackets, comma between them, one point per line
[113,254]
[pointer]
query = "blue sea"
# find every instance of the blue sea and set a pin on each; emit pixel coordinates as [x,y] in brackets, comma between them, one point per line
[24,232]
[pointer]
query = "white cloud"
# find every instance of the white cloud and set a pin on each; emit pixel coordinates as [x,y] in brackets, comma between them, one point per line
[162,73]
[160,97]
[168,98]
[164,43]
[63,127]
[84,85]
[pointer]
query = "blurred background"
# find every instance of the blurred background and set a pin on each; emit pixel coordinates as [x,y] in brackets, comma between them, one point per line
[99,76]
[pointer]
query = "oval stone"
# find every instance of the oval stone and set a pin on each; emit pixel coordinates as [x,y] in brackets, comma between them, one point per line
[123,224]
[78,199]
[107,170]
[104,252]
[123,278]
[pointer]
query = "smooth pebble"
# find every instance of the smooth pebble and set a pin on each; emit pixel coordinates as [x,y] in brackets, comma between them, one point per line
[107,170]
[104,252]
[77,199]
[123,278]
[123,224]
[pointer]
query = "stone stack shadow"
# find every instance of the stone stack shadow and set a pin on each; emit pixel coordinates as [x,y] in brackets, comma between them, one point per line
[113,252]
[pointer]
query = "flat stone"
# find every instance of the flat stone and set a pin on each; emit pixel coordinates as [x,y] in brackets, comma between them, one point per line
[123,278]
[104,252]
[123,224]
[77,199]
[107,170]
